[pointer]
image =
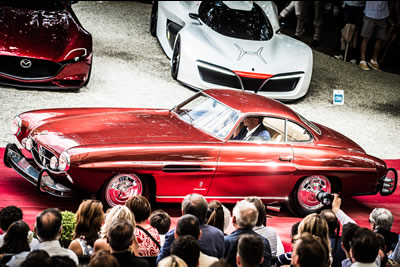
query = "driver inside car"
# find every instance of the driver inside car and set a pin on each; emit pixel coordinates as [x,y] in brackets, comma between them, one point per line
[254,130]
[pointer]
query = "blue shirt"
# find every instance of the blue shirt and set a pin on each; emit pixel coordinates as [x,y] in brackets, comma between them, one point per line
[355,3]
[376,9]
[211,242]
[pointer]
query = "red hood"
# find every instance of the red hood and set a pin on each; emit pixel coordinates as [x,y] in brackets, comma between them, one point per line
[122,127]
[35,33]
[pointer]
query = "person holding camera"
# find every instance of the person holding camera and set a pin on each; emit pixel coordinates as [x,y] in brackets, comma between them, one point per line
[380,220]
[338,255]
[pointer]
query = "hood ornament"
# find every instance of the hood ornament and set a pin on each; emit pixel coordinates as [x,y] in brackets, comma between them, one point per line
[243,52]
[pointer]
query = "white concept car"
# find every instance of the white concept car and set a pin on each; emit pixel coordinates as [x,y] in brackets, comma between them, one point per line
[232,44]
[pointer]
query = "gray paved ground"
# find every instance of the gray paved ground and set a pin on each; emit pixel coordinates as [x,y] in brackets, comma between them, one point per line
[130,70]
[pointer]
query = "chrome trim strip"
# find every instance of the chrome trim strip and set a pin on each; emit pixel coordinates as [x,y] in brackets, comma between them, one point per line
[225,164]
[220,197]
[334,168]
[188,169]
[165,163]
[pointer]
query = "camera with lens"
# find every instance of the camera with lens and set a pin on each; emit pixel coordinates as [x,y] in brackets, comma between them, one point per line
[324,197]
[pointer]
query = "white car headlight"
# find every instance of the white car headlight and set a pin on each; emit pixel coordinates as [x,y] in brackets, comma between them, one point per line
[16,125]
[29,144]
[64,162]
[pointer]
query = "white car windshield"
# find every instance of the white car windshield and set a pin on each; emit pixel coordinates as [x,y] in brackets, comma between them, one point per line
[209,115]
[241,24]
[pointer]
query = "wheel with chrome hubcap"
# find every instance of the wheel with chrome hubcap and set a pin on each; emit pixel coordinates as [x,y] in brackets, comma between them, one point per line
[120,188]
[303,199]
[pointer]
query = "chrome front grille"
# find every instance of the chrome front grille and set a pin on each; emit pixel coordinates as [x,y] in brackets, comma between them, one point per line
[41,155]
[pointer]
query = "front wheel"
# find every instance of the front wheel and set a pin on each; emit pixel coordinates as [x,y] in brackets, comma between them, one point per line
[175,60]
[121,187]
[303,199]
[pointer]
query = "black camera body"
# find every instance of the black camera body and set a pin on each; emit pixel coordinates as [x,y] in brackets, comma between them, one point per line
[324,197]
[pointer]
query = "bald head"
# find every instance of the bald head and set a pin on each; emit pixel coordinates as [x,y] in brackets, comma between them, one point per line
[48,225]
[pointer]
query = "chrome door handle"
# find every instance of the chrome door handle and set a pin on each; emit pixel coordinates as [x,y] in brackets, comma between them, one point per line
[285,158]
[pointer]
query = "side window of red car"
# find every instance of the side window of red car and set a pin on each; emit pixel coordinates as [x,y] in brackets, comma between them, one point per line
[297,133]
[276,128]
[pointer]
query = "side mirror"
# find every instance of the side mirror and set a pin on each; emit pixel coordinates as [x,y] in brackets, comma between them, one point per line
[195,17]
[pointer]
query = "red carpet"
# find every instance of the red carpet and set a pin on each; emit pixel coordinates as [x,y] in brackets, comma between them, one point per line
[14,190]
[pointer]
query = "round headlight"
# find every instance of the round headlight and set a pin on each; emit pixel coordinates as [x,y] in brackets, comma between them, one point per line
[16,125]
[54,163]
[29,144]
[64,162]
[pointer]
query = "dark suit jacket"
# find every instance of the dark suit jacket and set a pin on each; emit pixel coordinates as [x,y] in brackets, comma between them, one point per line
[260,131]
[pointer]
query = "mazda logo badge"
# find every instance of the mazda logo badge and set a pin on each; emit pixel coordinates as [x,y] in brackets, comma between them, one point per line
[26,63]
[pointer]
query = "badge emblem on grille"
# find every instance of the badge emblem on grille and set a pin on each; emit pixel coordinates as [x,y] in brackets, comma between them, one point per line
[25,63]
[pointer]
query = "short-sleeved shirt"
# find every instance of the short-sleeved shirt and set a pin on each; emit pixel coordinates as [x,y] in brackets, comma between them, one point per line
[376,9]
[147,247]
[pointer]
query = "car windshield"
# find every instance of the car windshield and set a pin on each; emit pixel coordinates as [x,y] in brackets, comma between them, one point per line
[241,24]
[49,5]
[209,115]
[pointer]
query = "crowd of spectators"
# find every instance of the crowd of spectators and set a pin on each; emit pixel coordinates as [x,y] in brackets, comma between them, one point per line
[130,235]
[362,32]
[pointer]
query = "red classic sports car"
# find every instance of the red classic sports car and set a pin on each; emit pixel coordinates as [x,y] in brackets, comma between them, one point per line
[167,154]
[43,45]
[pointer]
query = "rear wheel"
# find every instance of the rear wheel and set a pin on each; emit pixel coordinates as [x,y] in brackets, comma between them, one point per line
[303,200]
[121,187]
[153,19]
[175,60]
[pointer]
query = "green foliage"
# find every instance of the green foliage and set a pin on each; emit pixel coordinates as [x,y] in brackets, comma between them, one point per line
[68,225]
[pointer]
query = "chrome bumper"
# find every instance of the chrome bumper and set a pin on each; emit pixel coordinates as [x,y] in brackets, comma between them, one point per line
[13,158]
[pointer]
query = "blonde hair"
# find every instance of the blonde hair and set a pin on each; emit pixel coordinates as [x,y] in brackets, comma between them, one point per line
[172,261]
[316,225]
[117,212]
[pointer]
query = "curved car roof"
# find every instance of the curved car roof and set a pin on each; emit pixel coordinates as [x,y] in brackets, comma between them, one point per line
[249,103]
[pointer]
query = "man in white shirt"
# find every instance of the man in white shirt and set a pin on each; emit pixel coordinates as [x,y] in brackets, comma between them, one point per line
[48,229]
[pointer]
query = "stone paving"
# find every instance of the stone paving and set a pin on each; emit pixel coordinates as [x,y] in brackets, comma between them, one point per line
[131,70]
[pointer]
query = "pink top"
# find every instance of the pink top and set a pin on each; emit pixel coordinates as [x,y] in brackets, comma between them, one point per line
[147,247]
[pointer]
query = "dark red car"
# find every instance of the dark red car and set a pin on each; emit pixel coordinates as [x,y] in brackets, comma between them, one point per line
[167,154]
[43,45]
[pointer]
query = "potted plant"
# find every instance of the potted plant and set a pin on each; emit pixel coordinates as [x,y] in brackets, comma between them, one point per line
[68,227]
